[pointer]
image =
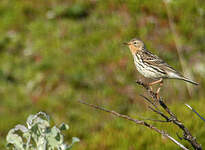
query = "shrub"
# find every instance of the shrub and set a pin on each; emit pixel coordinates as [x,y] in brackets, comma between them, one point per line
[38,135]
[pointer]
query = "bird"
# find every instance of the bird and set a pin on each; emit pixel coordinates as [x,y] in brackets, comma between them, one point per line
[151,66]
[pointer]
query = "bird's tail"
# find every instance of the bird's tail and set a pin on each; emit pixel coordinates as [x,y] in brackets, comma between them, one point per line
[188,80]
[176,75]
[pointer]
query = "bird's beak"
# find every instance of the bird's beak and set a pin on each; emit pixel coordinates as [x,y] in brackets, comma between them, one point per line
[126,43]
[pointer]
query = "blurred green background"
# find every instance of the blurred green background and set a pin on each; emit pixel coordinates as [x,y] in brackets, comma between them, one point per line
[55,52]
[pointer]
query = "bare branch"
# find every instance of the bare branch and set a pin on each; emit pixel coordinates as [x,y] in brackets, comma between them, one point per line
[156,110]
[136,121]
[155,120]
[187,135]
[195,112]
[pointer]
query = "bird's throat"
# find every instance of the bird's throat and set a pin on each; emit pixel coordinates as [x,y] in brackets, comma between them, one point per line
[134,49]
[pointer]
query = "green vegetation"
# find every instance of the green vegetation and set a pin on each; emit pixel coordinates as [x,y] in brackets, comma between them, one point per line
[38,135]
[56,52]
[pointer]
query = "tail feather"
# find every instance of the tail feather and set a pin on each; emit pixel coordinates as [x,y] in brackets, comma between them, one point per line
[190,81]
[176,75]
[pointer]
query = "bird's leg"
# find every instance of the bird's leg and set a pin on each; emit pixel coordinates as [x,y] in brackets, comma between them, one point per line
[160,84]
[152,83]
[156,82]
[160,81]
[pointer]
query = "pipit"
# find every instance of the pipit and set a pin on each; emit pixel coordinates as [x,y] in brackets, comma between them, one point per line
[151,66]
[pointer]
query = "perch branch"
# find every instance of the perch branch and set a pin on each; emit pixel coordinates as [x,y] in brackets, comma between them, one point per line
[187,135]
[136,121]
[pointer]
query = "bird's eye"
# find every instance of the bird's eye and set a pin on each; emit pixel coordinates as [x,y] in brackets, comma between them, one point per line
[135,42]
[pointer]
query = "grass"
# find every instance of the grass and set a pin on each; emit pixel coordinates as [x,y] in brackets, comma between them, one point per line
[56,52]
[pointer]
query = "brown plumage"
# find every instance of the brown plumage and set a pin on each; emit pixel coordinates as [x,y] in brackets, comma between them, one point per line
[151,66]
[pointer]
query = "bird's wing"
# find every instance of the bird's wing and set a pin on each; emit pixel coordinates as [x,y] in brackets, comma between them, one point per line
[154,60]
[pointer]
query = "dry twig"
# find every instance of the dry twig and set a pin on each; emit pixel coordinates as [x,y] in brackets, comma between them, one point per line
[192,109]
[171,118]
[136,121]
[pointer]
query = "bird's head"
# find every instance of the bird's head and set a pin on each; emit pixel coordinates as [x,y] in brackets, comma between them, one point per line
[136,45]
